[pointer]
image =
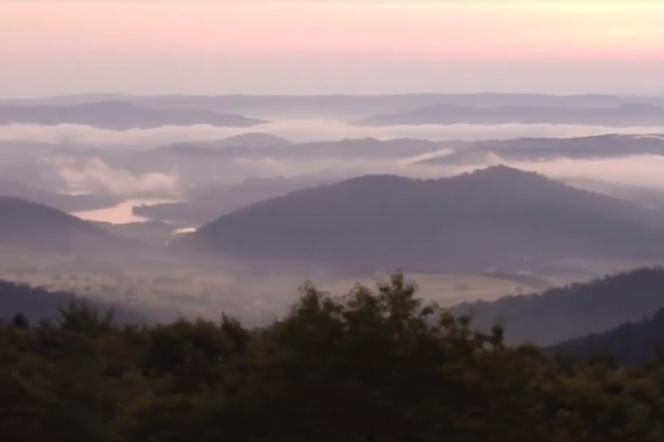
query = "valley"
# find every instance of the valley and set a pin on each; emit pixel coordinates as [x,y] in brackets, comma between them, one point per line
[331,221]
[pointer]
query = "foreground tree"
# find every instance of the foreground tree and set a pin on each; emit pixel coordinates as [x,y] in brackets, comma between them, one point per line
[367,366]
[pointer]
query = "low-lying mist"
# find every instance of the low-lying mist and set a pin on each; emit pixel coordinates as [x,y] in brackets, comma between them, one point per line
[298,130]
[617,176]
[96,176]
[191,184]
[134,164]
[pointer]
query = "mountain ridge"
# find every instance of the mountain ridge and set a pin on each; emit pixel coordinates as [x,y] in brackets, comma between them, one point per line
[457,223]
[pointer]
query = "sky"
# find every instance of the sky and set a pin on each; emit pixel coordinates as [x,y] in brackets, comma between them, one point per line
[53,47]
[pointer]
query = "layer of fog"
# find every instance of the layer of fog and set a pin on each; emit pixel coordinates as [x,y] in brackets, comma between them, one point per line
[645,171]
[93,174]
[192,290]
[97,177]
[164,286]
[80,160]
[65,169]
[300,130]
[638,178]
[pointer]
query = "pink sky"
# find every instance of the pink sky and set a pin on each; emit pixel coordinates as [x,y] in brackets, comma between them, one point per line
[225,46]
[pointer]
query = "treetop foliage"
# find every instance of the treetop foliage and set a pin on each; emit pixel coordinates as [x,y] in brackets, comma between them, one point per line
[372,365]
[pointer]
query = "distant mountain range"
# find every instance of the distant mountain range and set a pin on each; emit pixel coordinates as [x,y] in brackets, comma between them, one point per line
[345,106]
[34,226]
[561,314]
[618,116]
[118,115]
[494,219]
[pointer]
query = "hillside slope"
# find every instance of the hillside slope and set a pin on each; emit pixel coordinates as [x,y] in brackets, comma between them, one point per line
[580,309]
[633,343]
[29,225]
[494,219]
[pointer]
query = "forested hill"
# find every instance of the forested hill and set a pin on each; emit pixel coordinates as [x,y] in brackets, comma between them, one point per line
[35,304]
[29,225]
[496,218]
[633,343]
[568,312]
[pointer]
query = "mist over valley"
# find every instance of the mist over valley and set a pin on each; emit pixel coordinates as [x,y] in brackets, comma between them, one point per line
[153,190]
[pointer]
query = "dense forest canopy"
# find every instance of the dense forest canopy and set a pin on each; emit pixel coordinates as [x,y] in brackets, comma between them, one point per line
[372,365]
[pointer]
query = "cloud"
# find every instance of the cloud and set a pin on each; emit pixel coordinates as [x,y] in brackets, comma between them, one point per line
[79,135]
[638,170]
[643,171]
[95,176]
[298,130]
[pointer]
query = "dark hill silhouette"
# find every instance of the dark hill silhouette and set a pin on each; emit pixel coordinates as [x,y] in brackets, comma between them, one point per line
[497,218]
[632,343]
[564,313]
[344,106]
[118,115]
[29,225]
[36,304]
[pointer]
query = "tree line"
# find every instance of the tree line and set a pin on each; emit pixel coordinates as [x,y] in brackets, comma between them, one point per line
[368,366]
